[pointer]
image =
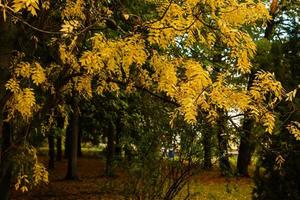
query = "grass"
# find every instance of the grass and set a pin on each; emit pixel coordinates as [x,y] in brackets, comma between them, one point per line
[206,185]
[222,191]
[86,151]
[209,185]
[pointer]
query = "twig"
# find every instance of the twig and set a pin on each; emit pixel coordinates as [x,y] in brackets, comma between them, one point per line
[33,27]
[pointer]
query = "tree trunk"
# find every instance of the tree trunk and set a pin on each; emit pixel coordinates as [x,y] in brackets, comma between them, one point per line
[51,152]
[5,163]
[8,41]
[223,145]
[118,135]
[68,141]
[246,148]
[79,151]
[271,23]
[72,154]
[111,139]
[5,181]
[58,148]
[207,150]
[244,156]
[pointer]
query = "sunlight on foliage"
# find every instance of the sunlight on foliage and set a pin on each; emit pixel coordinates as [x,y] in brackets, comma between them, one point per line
[264,86]
[31,5]
[294,129]
[35,172]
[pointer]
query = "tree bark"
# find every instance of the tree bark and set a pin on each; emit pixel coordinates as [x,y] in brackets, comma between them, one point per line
[68,142]
[8,41]
[72,154]
[111,141]
[223,145]
[244,156]
[245,148]
[79,150]
[5,180]
[271,23]
[5,163]
[207,150]
[51,152]
[118,136]
[58,148]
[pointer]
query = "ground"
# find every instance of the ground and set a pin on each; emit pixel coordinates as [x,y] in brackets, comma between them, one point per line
[93,185]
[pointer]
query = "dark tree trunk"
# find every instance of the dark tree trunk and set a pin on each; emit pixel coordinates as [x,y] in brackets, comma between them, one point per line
[5,180]
[271,23]
[207,150]
[246,144]
[72,154]
[223,147]
[68,141]
[111,139]
[79,151]
[60,125]
[118,135]
[58,148]
[51,152]
[8,41]
[244,156]
[5,163]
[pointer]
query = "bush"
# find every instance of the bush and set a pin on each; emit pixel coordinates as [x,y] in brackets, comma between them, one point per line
[278,170]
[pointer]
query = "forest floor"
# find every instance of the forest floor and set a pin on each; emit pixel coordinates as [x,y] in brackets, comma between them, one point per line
[92,185]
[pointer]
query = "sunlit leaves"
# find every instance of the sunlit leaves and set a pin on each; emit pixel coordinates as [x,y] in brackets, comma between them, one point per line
[23,69]
[279,161]
[244,13]
[183,80]
[30,171]
[294,129]
[22,101]
[290,96]
[69,27]
[264,84]
[38,75]
[176,19]
[67,57]
[33,71]
[73,10]
[31,5]
[268,120]
[84,86]
[165,73]
[46,5]
[191,92]
[25,101]
[40,174]
[22,183]
[113,58]
[13,85]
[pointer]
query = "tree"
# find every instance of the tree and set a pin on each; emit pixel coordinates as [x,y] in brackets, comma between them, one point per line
[279,156]
[72,152]
[246,141]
